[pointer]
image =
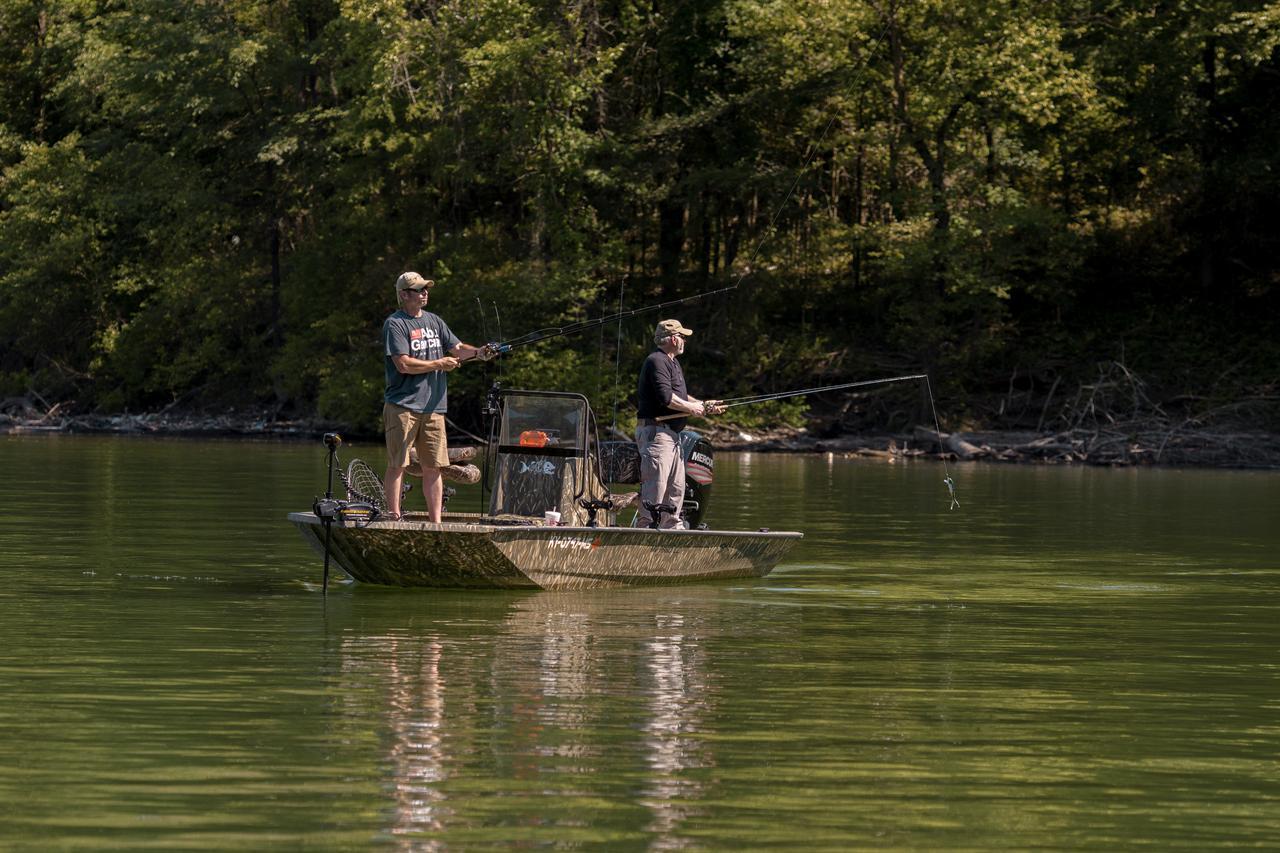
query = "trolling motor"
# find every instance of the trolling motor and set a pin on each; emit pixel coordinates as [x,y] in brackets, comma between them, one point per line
[330,509]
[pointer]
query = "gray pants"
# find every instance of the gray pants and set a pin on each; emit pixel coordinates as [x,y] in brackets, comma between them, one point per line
[661,474]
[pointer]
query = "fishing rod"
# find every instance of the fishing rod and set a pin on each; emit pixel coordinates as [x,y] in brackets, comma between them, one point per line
[782,395]
[484,327]
[617,356]
[497,320]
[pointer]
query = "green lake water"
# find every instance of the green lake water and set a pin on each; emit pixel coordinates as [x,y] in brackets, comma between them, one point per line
[1074,658]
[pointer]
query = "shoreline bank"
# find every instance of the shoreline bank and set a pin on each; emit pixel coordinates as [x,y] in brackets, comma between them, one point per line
[1240,449]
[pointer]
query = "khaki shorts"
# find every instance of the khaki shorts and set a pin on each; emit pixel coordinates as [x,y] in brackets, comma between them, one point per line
[405,428]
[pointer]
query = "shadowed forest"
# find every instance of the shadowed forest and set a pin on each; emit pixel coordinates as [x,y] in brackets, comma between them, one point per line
[1063,212]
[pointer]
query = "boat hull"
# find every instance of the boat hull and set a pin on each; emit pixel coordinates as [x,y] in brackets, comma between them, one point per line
[473,554]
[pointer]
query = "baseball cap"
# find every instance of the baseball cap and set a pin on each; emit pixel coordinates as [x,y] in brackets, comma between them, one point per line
[413,281]
[667,328]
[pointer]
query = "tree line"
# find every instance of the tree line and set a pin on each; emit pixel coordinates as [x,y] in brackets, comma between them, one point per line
[205,203]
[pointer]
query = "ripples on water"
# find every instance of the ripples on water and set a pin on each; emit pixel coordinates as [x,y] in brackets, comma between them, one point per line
[1075,658]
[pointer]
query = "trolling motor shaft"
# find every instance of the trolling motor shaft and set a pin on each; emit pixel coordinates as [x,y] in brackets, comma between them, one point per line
[325,509]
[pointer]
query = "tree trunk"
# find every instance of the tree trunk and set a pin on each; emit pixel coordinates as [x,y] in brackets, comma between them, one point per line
[275,283]
[1209,58]
[670,237]
[704,253]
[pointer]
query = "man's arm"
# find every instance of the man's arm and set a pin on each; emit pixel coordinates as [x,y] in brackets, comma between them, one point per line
[409,364]
[688,406]
[694,406]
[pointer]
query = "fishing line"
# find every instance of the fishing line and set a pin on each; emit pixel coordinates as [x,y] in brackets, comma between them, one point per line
[484,328]
[497,319]
[782,395]
[584,325]
[617,356]
[600,364]
[946,479]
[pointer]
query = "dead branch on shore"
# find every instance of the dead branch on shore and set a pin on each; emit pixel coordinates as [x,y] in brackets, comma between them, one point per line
[23,414]
[1115,420]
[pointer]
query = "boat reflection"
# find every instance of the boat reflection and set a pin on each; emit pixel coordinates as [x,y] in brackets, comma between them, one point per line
[565,694]
[415,693]
[678,706]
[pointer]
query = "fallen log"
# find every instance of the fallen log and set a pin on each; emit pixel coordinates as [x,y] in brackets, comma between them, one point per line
[952,442]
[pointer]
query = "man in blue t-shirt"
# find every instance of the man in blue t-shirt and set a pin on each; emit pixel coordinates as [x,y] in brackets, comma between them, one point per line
[662,399]
[419,351]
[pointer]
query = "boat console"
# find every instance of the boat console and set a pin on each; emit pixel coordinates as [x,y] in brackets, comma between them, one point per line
[546,456]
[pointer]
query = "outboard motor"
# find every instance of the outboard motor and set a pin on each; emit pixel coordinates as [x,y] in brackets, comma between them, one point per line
[699,472]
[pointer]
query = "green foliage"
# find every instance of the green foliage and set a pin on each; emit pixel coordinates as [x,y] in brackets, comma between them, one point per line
[208,203]
[352,396]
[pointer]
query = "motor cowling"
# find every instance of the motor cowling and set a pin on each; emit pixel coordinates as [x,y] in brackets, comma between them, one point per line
[699,473]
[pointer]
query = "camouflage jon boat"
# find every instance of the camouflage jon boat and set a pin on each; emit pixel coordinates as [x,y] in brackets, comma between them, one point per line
[544,455]
[471,553]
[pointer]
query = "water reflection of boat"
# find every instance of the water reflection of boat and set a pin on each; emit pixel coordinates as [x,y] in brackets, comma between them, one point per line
[488,693]
[544,455]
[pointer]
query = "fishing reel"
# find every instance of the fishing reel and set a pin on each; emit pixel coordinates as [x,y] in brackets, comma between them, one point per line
[332,440]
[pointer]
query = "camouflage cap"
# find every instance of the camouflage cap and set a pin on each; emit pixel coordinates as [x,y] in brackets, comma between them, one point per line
[413,281]
[667,328]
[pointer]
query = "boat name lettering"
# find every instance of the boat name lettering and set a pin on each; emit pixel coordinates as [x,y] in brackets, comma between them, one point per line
[569,542]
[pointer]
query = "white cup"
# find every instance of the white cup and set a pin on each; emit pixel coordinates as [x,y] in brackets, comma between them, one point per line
[552,517]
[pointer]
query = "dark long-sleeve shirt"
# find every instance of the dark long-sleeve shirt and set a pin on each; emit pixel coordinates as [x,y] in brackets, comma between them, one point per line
[660,378]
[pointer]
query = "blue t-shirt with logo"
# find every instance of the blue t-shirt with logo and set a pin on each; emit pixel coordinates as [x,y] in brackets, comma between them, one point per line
[426,337]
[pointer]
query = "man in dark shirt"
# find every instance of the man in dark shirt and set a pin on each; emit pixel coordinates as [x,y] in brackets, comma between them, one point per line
[662,392]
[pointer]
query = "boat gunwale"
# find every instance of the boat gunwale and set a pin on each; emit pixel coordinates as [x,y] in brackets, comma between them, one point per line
[539,530]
